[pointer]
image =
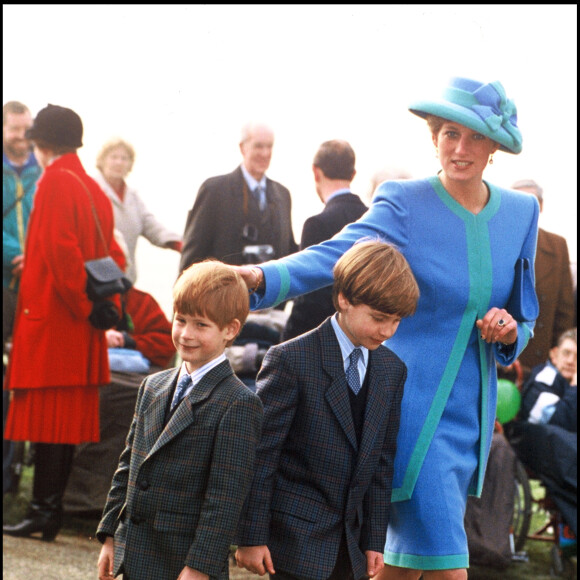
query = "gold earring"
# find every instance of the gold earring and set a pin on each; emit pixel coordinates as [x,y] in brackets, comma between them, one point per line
[491,159]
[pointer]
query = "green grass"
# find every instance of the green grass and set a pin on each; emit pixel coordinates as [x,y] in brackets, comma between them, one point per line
[537,567]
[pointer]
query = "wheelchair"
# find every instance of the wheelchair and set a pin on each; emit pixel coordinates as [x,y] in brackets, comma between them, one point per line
[537,518]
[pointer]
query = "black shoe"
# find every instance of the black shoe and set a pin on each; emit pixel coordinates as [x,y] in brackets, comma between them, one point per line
[48,524]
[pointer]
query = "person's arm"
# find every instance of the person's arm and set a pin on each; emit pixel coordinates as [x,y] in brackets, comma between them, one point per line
[118,492]
[190,574]
[152,229]
[377,502]
[105,562]
[278,388]
[564,314]
[388,219]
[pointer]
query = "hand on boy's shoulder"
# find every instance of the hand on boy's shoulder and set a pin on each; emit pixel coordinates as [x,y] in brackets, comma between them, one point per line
[190,574]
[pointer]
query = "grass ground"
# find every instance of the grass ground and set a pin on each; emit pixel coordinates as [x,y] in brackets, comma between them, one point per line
[536,568]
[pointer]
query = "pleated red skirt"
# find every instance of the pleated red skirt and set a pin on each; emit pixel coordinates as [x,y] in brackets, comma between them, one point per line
[54,415]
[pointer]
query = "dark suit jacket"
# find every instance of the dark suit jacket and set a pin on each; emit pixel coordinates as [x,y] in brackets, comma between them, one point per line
[214,227]
[311,309]
[177,494]
[313,482]
[555,296]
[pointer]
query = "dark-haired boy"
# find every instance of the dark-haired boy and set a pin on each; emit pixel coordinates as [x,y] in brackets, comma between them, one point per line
[320,501]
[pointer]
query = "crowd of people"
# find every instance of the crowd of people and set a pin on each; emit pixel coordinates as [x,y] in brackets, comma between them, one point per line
[350,452]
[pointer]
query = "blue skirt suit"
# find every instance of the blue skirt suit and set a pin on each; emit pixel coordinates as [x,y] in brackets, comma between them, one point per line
[464,265]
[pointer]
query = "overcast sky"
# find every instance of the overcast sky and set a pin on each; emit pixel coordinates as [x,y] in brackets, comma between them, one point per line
[178,82]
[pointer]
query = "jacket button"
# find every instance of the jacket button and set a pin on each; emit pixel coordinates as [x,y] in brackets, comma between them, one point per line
[144,485]
[136,520]
[26,311]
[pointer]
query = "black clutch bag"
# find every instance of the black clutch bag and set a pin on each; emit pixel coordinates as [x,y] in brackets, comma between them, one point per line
[105,278]
[523,302]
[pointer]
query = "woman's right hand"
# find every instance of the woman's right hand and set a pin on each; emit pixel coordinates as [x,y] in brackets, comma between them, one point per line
[252,276]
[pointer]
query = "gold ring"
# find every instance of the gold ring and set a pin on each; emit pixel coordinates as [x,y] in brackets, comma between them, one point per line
[501,323]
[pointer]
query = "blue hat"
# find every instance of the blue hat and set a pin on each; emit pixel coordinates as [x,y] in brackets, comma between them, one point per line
[480,107]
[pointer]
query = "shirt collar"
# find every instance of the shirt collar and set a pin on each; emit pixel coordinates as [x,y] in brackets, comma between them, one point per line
[346,346]
[199,373]
[251,181]
[337,193]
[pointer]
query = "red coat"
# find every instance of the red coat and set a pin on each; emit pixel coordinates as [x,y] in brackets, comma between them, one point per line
[54,343]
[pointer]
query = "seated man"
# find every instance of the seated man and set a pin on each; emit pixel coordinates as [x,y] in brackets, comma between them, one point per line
[544,438]
[140,345]
[550,393]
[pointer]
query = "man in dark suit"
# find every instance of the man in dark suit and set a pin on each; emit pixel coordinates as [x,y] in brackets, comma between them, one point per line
[333,169]
[319,505]
[242,217]
[553,287]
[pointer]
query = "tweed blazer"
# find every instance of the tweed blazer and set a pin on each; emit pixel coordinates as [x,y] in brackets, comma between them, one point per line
[313,482]
[177,494]
[313,308]
[215,224]
[555,296]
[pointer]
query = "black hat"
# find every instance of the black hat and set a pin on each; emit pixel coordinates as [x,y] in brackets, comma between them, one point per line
[57,126]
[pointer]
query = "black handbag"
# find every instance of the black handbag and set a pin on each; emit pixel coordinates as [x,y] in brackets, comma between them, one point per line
[523,302]
[104,279]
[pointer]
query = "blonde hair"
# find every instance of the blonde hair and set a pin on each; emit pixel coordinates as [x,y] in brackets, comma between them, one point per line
[375,273]
[113,144]
[214,290]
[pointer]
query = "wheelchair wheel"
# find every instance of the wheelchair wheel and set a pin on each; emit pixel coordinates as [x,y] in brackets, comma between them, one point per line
[522,507]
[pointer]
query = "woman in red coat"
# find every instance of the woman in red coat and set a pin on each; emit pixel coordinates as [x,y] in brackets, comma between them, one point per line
[58,358]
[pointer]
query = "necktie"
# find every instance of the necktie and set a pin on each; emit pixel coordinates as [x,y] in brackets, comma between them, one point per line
[182,386]
[260,197]
[352,375]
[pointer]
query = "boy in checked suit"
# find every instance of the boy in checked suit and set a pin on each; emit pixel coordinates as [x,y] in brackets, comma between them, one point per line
[319,504]
[182,479]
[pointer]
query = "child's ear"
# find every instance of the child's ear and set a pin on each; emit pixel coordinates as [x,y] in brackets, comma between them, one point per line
[343,302]
[232,329]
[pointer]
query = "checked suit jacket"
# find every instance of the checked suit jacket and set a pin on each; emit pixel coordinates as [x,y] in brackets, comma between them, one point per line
[313,481]
[177,494]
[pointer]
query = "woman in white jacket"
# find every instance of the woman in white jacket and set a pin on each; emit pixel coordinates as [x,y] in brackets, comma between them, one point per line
[132,218]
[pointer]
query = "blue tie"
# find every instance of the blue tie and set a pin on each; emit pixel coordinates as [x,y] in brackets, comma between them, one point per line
[182,386]
[352,375]
[260,197]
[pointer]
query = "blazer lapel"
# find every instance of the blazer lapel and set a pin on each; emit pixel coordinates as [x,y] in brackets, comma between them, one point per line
[337,393]
[154,415]
[376,407]
[184,414]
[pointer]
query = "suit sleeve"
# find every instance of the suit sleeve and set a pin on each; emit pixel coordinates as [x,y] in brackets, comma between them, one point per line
[201,221]
[229,479]
[377,504]
[277,388]
[118,493]
[564,316]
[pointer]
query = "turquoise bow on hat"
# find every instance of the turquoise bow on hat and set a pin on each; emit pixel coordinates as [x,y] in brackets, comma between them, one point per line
[496,110]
